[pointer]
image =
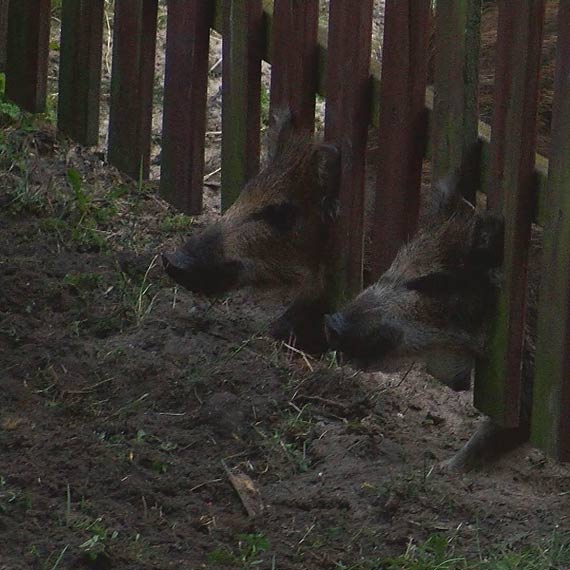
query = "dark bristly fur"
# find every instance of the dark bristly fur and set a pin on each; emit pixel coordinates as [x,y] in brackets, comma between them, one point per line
[274,236]
[434,305]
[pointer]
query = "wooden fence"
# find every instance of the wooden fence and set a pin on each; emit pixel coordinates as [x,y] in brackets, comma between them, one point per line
[412,118]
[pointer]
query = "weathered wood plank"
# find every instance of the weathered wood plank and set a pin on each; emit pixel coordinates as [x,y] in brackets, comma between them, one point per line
[80,69]
[346,123]
[185,97]
[27,53]
[456,110]
[498,381]
[449,92]
[241,94]
[484,137]
[402,131]
[134,45]
[3,33]
[551,410]
[294,60]
[499,119]
[471,154]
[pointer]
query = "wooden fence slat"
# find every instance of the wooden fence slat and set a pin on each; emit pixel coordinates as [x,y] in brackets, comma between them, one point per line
[541,163]
[346,123]
[403,128]
[80,69]
[3,33]
[551,410]
[294,60]
[456,109]
[185,97]
[471,154]
[241,94]
[501,103]
[513,149]
[27,53]
[130,115]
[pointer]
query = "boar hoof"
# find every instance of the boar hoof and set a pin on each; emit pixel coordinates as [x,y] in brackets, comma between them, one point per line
[302,326]
[489,442]
[458,463]
[476,451]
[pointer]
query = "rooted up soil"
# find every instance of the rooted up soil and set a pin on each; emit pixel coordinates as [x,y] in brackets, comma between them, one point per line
[126,403]
[130,411]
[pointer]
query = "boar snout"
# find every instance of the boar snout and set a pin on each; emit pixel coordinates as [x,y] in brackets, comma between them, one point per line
[200,276]
[176,261]
[366,349]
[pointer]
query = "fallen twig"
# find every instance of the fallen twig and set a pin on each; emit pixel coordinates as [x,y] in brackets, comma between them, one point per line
[246,490]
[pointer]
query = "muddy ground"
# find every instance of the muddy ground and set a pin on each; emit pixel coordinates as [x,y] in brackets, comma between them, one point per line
[130,410]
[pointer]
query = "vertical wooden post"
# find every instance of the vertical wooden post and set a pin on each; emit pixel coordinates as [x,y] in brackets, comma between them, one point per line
[403,128]
[185,97]
[130,116]
[80,69]
[471,146]
[3,33]
[456,110]
[498,381]
[241,90]
[346,123]
[294,60]
[551,410]
[27,53]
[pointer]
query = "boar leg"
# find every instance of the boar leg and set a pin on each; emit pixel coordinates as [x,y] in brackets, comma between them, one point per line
[489,442]
[302,324]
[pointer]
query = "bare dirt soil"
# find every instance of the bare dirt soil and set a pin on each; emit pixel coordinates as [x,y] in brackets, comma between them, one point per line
[135,417]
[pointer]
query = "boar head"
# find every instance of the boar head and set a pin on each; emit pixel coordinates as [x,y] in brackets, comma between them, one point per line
[275,233]
[433,304]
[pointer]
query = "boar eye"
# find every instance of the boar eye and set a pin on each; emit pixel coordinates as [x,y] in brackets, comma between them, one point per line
[279,216]
[439,283]
[443,283]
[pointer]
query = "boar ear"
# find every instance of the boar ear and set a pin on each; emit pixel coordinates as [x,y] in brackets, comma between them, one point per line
[329,208]
[446,196]
[280,130]
[487,241]
[327,164]
[327,161]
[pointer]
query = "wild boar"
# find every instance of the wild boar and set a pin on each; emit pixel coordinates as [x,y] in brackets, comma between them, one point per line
[434,305]
[274,237]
